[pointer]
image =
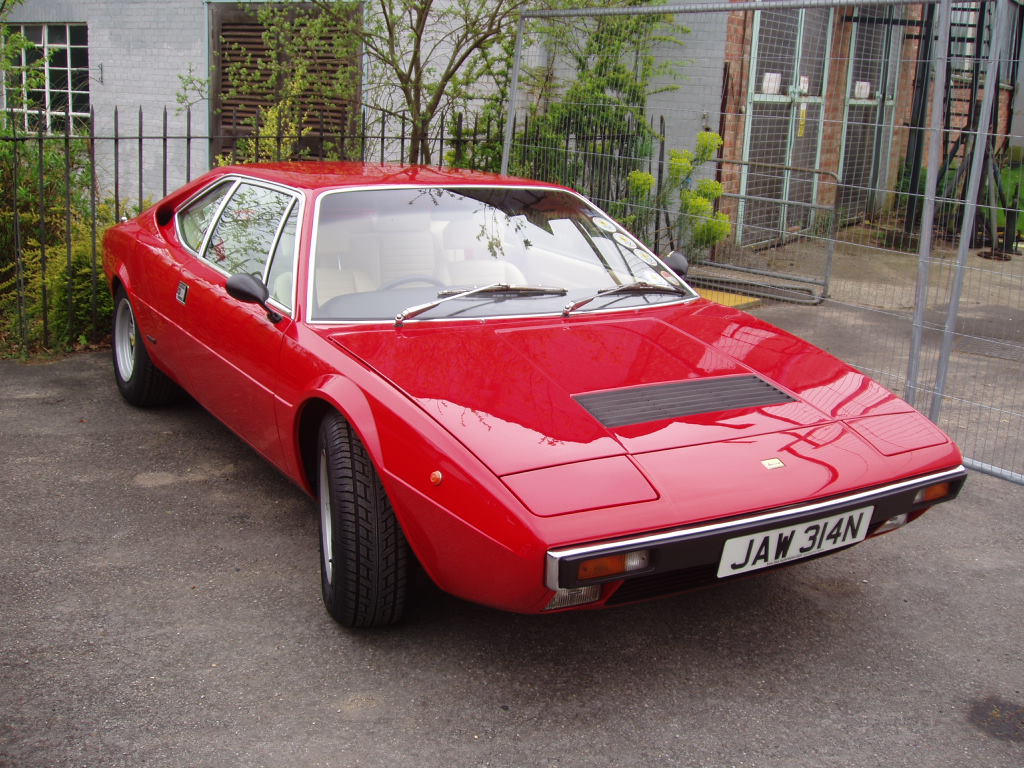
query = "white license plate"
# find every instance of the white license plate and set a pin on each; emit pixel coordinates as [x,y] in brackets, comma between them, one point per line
[781,545]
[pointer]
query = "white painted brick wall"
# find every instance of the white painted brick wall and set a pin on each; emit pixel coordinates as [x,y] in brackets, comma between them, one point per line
[699,86]
[142,47]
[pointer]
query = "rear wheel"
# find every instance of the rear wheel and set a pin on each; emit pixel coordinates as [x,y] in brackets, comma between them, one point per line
[363,552]
[139,381]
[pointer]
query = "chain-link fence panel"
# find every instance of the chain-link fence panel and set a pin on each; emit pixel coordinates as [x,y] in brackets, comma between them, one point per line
[796,153]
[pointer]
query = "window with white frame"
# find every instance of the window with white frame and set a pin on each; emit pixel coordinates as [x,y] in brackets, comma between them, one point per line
[51,80]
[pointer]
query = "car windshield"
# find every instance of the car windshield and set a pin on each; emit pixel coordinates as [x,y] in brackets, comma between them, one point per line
[381,252]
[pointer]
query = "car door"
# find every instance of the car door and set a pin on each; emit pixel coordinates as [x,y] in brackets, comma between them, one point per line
[234,347]
[157,287]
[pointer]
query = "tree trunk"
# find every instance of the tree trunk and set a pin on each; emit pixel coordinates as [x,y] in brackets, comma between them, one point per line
[419,144]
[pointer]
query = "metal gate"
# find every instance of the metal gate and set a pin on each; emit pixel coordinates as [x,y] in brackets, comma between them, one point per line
[790,58]
[874,72]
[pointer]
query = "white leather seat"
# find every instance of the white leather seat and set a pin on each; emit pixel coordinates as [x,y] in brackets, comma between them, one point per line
[476,272]
[331,282]
[469,257]
[402,245]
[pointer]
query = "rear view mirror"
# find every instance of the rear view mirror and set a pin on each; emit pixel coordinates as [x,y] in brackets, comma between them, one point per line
[251,290]
[677,262]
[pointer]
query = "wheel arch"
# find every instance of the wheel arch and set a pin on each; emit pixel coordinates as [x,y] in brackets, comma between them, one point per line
[326,397]
[118,281]
[310,417]
[493,539]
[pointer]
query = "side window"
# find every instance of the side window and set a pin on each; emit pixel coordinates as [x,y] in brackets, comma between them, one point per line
[245,231]
[282,264]
[194,220]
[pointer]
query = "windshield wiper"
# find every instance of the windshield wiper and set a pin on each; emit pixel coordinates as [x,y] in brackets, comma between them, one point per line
[493,288]
[638,287]
[511,290]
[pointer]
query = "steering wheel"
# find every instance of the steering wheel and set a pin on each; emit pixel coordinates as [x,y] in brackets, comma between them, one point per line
[413,279]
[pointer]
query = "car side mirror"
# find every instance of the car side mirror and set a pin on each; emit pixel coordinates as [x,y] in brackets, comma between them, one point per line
[677,262]
[251,290]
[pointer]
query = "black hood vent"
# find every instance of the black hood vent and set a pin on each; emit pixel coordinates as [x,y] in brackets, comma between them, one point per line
[636,405]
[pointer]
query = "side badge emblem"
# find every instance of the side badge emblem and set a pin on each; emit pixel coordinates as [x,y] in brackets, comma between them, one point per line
[182,292]
[772,464]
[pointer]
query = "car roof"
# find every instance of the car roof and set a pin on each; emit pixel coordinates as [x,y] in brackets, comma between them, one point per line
[315,176]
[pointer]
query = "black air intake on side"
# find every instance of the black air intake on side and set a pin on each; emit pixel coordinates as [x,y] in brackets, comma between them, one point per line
[636,405]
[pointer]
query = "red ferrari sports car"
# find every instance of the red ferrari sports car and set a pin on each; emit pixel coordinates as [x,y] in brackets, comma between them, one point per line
[491,377]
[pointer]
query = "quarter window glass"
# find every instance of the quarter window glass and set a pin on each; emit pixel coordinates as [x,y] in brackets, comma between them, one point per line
[195,219]
[245,231]
[282,265]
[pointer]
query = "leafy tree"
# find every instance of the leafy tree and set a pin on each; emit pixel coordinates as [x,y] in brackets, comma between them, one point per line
[484,143]
[425,56]
[424,59]
[311,61]
[305,77]
[592,132]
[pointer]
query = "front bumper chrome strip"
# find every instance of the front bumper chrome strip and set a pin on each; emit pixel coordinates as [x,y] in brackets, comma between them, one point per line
[555,556]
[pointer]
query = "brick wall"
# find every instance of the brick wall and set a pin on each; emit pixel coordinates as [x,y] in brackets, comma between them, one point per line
[738,39]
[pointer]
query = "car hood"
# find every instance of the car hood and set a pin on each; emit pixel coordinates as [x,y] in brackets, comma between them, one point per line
[540,393]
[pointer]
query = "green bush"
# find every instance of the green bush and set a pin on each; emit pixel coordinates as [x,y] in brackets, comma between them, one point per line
[47,273]
[697,226]
[83,306]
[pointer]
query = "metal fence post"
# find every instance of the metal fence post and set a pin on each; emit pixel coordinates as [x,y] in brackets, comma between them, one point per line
[69,278]
[94,285]
[117,167]
[44,293]
[19,256]
[513,90]
[188,144]
[164,143]
[935,141]
[139,208]
[970,210]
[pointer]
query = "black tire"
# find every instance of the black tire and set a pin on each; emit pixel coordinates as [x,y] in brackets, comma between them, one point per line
[140,382]
[364,556]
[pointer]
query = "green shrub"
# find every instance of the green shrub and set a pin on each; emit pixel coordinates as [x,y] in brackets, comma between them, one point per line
[697,226]
[47,269]
[45,302]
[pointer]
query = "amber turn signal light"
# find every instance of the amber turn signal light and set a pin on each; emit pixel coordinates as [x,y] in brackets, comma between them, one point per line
[613,565]
[933,493]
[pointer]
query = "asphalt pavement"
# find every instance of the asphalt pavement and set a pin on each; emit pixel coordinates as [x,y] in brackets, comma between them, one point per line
[159,606]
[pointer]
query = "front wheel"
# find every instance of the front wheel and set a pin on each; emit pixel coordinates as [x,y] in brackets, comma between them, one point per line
[139,381]
[363,552]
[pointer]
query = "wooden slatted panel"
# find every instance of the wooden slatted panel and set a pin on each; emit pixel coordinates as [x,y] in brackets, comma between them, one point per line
[238,38]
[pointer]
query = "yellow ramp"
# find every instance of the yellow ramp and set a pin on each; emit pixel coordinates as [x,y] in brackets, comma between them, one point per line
[729,299]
